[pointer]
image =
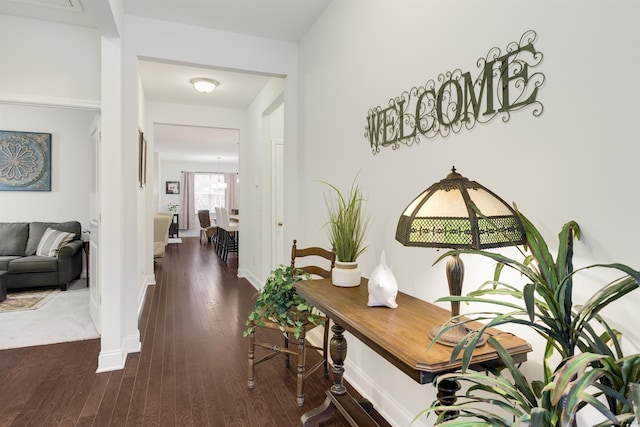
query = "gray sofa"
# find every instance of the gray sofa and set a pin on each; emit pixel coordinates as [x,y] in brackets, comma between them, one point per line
[18,244]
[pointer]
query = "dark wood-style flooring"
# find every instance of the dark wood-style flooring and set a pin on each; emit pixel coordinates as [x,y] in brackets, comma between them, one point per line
[191,371]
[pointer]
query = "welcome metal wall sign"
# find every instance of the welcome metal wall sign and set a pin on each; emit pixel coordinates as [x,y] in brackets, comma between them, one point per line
[455,101]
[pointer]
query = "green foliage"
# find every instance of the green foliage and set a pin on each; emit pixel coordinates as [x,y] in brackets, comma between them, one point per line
[279,302]
[591,357]
[347,222]
[172,207]
[578,382]
[571,386]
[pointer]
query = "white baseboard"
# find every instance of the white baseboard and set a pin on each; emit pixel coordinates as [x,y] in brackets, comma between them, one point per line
[132,343]
[246,274]
[111,360]
[150,280]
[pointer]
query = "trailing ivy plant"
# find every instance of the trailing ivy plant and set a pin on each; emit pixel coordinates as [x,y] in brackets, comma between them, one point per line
[576,333]
[280,303]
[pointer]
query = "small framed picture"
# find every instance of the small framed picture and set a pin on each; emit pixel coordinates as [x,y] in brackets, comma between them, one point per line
[173,187]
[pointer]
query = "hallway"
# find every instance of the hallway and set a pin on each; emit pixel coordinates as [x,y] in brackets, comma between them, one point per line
[191,370]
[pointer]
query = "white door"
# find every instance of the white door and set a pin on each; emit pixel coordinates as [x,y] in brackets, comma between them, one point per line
[277,193]
[94,225]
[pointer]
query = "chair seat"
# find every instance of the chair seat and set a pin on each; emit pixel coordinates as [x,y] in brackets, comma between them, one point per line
[231,227]
[208,231]
[288,349]
[306,325]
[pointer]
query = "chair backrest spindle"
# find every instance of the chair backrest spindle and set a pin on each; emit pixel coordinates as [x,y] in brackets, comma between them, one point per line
[313,252]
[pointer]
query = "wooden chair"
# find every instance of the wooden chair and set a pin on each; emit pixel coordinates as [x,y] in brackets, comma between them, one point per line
[318,254]
[207,230]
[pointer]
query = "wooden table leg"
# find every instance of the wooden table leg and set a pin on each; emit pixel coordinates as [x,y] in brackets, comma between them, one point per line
[356,412]
[317,415]
[338,351]
[447,396]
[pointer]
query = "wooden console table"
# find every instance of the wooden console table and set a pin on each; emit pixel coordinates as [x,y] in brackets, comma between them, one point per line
[399,335]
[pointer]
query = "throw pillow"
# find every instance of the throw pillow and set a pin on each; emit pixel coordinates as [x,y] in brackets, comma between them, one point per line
[51,242]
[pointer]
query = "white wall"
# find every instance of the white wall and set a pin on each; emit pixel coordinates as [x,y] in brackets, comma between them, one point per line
[70,149]
[276,119]
[254,260]
[187,115]
[146,38]
[59,65]
[575,162]
[48,62]
[198,46]
[171,170]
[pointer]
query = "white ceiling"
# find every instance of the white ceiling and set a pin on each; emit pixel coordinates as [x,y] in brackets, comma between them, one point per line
[163,82]
[196,144]
[286,20]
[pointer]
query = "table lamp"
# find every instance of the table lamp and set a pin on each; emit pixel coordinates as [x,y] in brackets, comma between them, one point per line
[443,216]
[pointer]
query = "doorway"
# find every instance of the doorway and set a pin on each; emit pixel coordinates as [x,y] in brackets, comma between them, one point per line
[175,103]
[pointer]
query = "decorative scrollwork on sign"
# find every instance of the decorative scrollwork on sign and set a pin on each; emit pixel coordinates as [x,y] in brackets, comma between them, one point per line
[455,101]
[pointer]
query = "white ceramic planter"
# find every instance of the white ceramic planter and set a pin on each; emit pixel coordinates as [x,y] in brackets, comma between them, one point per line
[346,274]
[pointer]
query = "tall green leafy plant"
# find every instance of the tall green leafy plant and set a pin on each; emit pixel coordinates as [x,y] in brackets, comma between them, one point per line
[545,304]
[347,222]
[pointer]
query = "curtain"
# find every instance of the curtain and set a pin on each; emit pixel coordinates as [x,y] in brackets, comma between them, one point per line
[231,194]
[187,207]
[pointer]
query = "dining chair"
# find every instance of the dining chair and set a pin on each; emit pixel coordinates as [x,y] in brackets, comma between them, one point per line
[315,255]
[229,234]
[220,232]
[207,230]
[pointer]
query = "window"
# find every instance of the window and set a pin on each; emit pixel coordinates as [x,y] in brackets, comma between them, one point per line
[209,191]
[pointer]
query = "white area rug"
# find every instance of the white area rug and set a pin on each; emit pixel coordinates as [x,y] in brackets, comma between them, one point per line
[175,240]
[63,318]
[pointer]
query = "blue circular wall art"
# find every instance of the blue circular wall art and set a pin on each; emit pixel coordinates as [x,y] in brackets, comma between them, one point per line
[25,161]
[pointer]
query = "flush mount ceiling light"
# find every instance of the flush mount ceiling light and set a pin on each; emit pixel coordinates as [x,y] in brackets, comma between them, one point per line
[204,85]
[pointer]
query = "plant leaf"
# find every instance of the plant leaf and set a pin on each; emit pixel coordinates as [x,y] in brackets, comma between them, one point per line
[529,299]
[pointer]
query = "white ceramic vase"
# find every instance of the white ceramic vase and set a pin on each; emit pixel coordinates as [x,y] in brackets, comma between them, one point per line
[345,274]
[383,287]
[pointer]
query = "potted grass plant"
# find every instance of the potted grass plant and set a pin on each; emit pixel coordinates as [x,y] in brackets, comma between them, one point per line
[346,226]
[583,360]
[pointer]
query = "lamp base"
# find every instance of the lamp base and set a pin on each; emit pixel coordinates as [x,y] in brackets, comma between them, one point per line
[454,335]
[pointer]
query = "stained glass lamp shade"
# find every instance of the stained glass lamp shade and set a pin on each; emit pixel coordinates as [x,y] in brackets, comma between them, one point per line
[443,217]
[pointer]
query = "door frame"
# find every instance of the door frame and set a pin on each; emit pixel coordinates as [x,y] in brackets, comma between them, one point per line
[277,202]
[95,306]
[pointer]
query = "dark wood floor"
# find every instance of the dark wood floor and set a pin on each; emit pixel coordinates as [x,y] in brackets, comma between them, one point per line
[191,370]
